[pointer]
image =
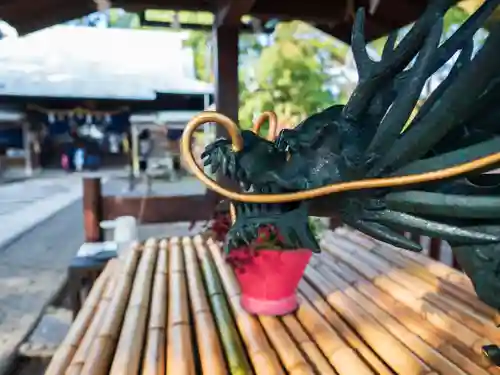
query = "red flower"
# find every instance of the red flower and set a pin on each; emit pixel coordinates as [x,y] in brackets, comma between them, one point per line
[220,225]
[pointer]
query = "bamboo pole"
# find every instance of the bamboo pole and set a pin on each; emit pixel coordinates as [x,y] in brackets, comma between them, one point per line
[343,358]
[454,308]
[437,285]
[452,289]
[81,354]
[234,350]
[154,355]
[344,330]
[209,347]
[426,292]
[308,347]
[68,347]
[399,331]
[436,316]
[261,354]
[392,351]
[129,348]
[291,357]
[471,363]
[180,360]
[438,268]
[100,356]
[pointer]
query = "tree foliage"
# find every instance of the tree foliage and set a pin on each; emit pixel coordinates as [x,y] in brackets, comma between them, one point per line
[286,72]
[289,77]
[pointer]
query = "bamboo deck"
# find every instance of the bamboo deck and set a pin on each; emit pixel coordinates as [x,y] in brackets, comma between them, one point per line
[172,308]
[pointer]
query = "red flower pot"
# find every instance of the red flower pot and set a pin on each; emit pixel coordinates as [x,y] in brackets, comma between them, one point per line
[269,278]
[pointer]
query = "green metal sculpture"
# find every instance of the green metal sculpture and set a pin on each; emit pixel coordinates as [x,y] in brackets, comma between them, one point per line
[428,179]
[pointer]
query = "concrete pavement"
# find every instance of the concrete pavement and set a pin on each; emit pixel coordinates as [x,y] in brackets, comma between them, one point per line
[25,204]
[32,271]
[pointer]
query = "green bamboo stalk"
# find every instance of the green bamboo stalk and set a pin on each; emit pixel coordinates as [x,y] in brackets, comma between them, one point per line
[237,360]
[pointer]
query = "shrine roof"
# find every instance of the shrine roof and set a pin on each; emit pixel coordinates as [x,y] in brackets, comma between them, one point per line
[83,62]
[333,17]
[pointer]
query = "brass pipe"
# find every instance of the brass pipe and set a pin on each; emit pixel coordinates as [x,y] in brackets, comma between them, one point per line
[372,183]
[232,213]
[273,124]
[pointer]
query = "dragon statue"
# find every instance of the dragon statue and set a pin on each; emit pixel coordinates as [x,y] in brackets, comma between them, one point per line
[384,168]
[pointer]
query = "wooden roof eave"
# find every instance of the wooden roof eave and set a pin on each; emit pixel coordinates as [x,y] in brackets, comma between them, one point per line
[333,18]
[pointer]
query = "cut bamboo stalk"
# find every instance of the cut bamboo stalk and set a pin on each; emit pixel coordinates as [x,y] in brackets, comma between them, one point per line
[158,313]
[209,347]
[234,350]
[436,316]
[87,341]
[344,359]
[463,312]
[314,355]
[291,357]
[424,291]
[154,355]
[180,360]
[64,354]
[417,324]
[263,357]
[162,263]
[343,329]
[357,237]
[74,369]
[453,305]
[412,341]
[464,361]
[452,289]
[100,356]
[439,269]
[392,351]
[129,348]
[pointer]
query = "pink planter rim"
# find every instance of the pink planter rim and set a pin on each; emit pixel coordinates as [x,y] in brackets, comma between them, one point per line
[269,278]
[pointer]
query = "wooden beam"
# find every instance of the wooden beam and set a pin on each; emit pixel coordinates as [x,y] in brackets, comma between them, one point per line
[394,14]
[244,27]
[315,10]
[35,16]
[231,11]
[186,5]
[158,209]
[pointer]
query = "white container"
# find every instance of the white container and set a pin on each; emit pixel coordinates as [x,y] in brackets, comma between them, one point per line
[125,231]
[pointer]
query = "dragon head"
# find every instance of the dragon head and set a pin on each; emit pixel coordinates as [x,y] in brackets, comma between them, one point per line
[253,166]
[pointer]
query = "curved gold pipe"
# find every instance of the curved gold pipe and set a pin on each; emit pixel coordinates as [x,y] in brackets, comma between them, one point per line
[232,213]
[273,124]
[372,183]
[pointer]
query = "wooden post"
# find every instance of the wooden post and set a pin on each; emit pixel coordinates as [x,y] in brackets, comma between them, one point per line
[435,249]
[226,71]
[334,222]
[455,263]
[92,209]
[226,82]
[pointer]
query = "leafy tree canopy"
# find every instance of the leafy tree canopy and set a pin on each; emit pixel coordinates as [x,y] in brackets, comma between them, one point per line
[289,77]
